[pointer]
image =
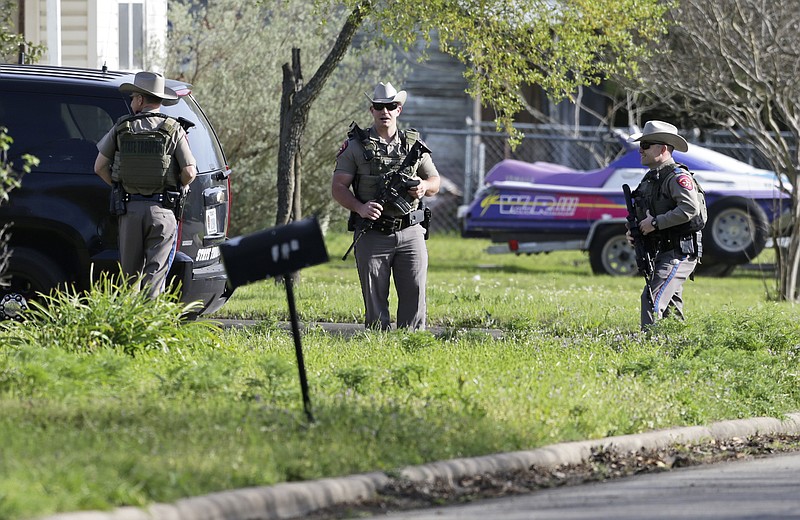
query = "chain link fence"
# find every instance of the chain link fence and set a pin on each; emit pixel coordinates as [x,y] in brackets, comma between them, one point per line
[464,156]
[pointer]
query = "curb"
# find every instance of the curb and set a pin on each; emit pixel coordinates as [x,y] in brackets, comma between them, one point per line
[296,499]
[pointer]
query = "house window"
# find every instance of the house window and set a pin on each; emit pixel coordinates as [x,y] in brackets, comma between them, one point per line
[131,34]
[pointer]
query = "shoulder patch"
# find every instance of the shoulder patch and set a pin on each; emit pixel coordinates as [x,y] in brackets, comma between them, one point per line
[685,182]
[342,148]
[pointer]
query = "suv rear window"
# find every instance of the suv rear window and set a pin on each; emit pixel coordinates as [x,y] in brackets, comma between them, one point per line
[202,140]
[74,125]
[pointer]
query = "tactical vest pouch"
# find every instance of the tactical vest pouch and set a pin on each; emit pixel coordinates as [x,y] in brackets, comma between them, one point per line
[686,245]
[145,164]
[171,199]
[691,245]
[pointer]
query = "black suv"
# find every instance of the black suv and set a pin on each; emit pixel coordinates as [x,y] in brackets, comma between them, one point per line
[62,230]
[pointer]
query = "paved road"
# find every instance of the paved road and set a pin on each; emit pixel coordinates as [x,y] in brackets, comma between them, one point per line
[749,489]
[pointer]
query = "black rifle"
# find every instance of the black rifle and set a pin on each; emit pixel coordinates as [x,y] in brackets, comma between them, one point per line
[645,260]
[393,186]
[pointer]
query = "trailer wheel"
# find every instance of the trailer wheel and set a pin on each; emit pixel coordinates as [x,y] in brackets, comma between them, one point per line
[610,253]
[736,231]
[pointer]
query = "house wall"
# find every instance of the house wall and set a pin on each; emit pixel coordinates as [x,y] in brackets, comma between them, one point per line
[155,30]
[437,99]
[74,24]
[105,36]
[89,32]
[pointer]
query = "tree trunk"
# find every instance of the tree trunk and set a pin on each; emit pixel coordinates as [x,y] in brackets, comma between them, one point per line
[297,199]
[285,154]
[787,259]
[295,105]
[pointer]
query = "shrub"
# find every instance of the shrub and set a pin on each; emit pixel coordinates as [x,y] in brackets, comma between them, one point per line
[111,315]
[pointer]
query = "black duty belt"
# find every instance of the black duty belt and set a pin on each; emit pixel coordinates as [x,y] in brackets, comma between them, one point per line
[389,225]
[155,197]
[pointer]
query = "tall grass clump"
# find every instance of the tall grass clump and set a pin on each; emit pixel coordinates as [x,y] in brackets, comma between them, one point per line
[110,315]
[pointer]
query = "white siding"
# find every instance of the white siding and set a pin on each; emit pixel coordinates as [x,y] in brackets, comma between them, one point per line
[155,19]
[106,33]
[90,32]
[74,25]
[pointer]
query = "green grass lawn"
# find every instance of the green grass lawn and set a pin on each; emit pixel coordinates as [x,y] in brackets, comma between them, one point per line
[111,403]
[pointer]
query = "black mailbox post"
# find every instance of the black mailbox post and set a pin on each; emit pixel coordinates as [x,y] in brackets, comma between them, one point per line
[278,251]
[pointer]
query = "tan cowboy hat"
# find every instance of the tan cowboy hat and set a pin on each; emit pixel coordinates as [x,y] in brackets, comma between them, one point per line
[151,83]
[386,93]
[661,132]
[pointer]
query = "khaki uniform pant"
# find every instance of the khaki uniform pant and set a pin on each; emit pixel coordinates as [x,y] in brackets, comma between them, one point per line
[664,294]
[148,235]
[403,255]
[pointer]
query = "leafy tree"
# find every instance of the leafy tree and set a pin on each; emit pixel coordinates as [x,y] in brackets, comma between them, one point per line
[10,39]
[733,64]
[9,179]
[10,42]
[504,44]
[232,52]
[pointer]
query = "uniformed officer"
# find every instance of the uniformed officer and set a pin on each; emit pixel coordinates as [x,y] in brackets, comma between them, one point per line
[394,244]
[148,229]
[671,214]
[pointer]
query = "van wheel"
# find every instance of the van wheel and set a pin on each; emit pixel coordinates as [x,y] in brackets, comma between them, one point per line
[29,274]
[610,252]
[736,232]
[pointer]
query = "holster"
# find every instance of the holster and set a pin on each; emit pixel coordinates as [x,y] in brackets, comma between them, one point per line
[174,200]
[426,221]
[116,201]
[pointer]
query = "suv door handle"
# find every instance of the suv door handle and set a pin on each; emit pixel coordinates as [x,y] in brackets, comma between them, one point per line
[222,174]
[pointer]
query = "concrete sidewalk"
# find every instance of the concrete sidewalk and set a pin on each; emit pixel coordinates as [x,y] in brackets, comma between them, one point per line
[296,499]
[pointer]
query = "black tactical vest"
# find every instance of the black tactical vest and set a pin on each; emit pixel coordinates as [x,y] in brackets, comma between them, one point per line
[366,186]
[656,198]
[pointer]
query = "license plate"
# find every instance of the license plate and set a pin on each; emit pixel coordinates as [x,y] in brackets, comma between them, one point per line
[211,221]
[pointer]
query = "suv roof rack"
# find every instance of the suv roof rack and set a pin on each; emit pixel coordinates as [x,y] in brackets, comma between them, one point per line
[62,72]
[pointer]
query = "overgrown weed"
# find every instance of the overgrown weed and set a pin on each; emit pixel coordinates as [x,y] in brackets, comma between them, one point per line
[110,315]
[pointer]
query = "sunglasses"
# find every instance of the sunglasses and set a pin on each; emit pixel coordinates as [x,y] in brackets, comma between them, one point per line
[388,106]
[645,146]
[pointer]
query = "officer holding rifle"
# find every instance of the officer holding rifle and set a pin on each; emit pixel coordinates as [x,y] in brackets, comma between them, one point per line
[670,211]
[381,175]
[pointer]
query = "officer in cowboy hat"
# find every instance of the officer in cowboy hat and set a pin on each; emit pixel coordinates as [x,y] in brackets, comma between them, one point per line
[148,229]
[151,84]
[394,241]
[671,212]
